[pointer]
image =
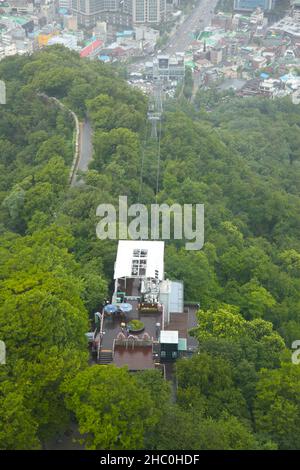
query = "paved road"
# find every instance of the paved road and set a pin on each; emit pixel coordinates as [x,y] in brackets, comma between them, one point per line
[85,149]
[199,18]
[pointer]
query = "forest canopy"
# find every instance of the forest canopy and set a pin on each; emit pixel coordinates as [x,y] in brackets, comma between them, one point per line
[241,159]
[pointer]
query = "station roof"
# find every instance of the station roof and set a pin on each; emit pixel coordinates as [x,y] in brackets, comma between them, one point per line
[135,256]
[168,337]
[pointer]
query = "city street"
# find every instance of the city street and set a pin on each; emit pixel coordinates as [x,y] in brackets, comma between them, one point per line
[200,17]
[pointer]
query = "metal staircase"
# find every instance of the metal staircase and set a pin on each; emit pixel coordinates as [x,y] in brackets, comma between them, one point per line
[105,357]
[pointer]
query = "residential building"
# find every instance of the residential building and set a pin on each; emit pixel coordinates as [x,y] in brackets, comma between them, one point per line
[296,9]
[289,26]
[67,40]
[119,12]
[115,12]
[216,55]
[148,11]
[70,22]
[65,4]
[21,6]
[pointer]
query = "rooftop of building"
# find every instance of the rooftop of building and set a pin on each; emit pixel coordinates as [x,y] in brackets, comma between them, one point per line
[21,20]
[90,48]
[169,337]
[288,25]
[140,258]
[183,323]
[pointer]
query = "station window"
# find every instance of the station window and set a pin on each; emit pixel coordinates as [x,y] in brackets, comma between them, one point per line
[139,262]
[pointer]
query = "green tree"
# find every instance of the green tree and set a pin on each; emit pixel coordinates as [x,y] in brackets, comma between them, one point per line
[43,323]
[256,300]
[17,427]
[182,430]
[111,412]
[255,340]
[205,383]
[277,405]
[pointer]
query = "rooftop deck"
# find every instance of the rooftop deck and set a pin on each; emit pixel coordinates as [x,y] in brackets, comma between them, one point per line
[134,350]
[183,322]
[112,325]
[137,358]
[141,355]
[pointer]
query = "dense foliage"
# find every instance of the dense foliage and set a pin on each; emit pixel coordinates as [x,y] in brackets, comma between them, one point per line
[241,159]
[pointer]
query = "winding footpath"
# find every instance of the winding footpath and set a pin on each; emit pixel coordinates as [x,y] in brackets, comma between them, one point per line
[83,148]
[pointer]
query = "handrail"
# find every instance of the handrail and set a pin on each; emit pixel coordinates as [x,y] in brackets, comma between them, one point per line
[100,335]
[135,342]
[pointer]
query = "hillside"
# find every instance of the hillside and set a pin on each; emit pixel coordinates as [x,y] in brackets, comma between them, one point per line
[240,158]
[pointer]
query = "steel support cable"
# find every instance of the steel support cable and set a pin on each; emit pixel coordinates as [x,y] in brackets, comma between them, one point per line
[158,163]
[157,178]
[142,164]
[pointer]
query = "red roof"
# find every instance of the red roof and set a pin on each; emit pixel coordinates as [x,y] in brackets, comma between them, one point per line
[88,50]
[118,51]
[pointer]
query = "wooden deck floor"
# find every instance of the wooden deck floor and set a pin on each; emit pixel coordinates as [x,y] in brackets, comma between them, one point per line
[178,321]
[183,322]
[139,358]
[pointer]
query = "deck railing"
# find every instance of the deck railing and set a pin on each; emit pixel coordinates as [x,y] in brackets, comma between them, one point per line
[132,341]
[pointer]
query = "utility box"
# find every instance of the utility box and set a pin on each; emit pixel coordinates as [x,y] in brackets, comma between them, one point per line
[168,345]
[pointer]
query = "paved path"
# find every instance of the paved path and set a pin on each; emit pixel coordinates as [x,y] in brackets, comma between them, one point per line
[85,150]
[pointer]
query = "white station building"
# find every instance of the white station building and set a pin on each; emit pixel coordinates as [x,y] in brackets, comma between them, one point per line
[139,275]
[139,258]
